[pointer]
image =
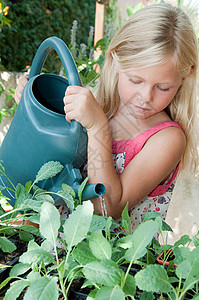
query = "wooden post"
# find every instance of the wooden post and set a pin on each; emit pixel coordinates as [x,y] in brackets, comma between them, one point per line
[99,29]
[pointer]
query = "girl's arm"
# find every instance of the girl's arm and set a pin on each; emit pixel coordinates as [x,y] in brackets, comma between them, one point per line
[149,168]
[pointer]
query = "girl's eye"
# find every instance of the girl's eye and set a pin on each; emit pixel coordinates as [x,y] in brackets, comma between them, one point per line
[135,81]
[163,89]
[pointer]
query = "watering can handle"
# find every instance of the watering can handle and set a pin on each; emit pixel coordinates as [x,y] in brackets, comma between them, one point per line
[66,58]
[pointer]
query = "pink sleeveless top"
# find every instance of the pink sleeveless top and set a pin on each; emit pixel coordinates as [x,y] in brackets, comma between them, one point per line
[158,200]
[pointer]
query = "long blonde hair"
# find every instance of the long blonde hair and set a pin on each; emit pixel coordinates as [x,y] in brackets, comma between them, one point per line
[151,36]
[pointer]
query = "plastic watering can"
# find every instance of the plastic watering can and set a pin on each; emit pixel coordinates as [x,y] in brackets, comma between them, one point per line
[40,133]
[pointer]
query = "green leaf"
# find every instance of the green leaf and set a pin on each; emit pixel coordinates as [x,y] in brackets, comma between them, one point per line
[82,254]
[28,204]
[97,223]
[49,222]
[183,240]
[43,289]
[36,256]
[48,170]
[193,274]
[25,236]
[110,293]
[68,199]
[21,195]
[16,289]
[2,169]
[32,276]
[104,272]
[99,246]
[19,269]
[44,197]
[152,279]
[141,237]
[126,221]
[151,215]
[77,225]
[29,228]
[67,188]
[5,282]
[81,188]
[6,245]
[108,227]
[183,269]
[129,287]
[28,186]
[148,296]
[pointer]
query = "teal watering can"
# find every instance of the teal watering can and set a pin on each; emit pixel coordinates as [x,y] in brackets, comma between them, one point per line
[40,133]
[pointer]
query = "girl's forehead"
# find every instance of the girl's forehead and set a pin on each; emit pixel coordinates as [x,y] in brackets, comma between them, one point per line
[166,72]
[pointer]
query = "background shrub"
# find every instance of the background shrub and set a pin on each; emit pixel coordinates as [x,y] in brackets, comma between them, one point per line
[35,20]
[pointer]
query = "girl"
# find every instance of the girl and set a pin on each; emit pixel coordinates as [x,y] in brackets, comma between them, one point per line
[141,124]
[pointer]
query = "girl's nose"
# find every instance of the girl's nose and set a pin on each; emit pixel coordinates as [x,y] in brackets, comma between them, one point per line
[146,93]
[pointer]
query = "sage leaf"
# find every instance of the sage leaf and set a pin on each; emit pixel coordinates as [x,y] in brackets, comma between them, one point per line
[36,256]
[28,186]
[110,293]
[48,170]
[82,254]
[104,272]
[77,225]
[49,222]
[129,286]
[68,199]
[183,240]
[153,278]
[32,276]
[126,221]
[25,236]
[67,188]
[141,237]
[43,289]
[193,275]
[16,289]
[97,223]
[183,269]
[81,188]
[19,269]
[99,246]
[44,197]
[30,204]
[29,228]
[6,245]
[148,296]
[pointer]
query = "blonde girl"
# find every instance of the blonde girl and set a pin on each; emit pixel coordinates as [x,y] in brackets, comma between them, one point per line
[141,123]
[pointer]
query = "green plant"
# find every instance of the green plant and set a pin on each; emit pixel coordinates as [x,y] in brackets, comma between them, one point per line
[9,109]
[35,20]
[93,250]
[3,15]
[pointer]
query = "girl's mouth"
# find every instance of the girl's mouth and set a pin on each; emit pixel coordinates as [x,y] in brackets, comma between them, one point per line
[141,109]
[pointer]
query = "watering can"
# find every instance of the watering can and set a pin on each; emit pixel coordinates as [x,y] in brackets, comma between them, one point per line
[40,133]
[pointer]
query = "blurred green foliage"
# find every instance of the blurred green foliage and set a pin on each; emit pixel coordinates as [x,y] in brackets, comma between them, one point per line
[35,20]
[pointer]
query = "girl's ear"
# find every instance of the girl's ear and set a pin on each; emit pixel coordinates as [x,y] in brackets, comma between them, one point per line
[191,71]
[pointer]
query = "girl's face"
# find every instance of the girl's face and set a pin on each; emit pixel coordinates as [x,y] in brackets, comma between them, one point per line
[148,91]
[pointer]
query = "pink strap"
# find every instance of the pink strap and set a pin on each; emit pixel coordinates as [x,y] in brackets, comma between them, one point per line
[134,146]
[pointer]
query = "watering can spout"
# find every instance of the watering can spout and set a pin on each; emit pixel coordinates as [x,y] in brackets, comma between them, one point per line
[91,190]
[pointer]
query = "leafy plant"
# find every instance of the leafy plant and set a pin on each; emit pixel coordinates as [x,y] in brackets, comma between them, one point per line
[114,262]
[11,106]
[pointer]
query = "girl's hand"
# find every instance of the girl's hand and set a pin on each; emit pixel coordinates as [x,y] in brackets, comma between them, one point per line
[80,105]
[19,89]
